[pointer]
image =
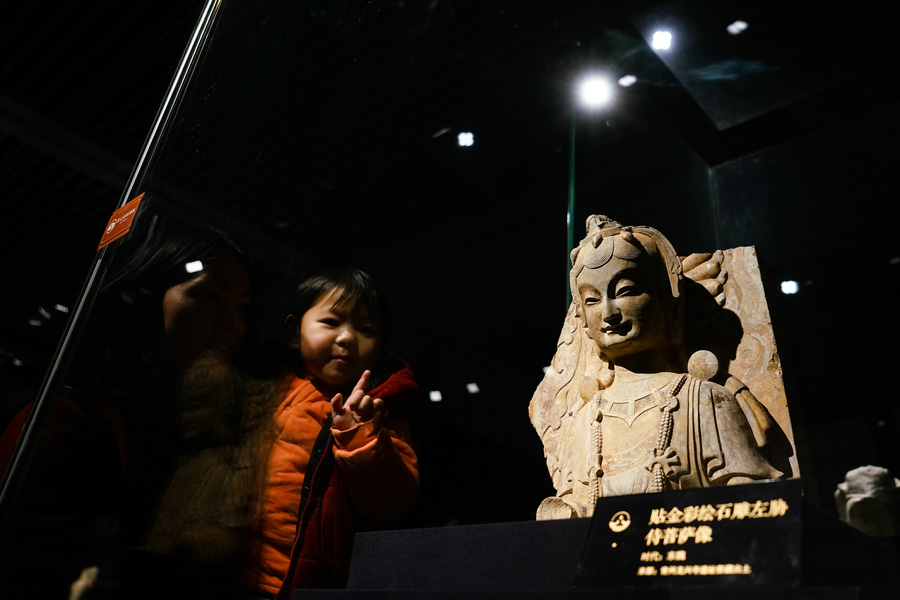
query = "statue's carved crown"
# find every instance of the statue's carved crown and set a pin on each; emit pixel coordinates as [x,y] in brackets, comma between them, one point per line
[627,243]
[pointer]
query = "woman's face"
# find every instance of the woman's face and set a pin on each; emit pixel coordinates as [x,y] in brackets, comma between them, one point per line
[207,314]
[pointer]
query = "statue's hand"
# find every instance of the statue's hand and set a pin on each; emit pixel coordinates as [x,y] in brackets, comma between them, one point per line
[554,508]
[707,270]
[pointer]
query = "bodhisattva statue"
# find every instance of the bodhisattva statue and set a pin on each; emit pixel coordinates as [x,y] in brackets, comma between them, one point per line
[618,412]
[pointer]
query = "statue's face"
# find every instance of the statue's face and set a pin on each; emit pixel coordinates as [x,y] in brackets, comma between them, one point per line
[622,308]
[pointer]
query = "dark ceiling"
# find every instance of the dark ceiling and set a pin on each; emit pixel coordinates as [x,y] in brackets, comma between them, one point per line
[470,241]
[79,87]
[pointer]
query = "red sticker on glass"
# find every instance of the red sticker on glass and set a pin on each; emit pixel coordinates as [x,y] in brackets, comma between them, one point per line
[120,222]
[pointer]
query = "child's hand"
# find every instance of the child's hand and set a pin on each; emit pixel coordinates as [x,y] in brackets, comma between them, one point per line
[359,407]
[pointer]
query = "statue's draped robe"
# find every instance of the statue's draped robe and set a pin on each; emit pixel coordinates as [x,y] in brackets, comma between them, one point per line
[712,441]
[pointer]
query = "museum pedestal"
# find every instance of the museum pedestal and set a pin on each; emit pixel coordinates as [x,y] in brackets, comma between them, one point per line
[748,541]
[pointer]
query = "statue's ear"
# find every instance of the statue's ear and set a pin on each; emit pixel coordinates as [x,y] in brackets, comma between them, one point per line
[579,318]
[292,331]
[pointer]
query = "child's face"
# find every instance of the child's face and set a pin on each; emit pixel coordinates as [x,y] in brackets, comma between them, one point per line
[337,342]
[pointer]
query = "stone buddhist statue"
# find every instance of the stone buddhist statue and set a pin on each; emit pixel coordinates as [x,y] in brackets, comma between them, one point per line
[621,411]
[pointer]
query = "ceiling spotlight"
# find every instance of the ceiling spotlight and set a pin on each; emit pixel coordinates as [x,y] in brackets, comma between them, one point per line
[465,139]
[595,91]
[627,80]
[435,396]
[737,27]
[662,40]
[472,388]
[194,266]
[61,308]
[789,287]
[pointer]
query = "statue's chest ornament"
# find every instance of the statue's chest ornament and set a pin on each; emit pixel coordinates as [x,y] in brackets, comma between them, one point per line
[662,457]
[630,410]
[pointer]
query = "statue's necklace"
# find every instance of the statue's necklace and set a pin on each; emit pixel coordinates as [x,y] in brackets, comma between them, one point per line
[662,453]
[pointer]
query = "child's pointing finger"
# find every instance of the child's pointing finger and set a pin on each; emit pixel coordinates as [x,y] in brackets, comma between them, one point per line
[337,405]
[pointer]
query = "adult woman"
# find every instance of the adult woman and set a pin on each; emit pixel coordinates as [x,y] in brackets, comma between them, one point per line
[109,439]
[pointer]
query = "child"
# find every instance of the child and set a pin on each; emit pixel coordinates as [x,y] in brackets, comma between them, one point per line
[339,450]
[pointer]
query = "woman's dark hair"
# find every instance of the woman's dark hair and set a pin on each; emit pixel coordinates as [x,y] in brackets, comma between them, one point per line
[126,328]
[160,263]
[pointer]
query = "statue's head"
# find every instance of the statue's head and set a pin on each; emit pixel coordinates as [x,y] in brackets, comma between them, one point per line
[626,285]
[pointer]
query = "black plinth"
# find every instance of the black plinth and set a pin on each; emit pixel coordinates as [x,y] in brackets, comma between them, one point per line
[754,541]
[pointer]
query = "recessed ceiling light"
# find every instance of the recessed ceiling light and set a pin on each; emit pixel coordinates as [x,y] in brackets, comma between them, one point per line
[595,91]
[737,27]
[662,40]
[790,287]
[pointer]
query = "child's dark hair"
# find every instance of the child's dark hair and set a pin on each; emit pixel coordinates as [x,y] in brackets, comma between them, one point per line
[358,289]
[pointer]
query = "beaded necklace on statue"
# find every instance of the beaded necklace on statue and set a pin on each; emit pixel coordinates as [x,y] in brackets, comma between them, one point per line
[662,453]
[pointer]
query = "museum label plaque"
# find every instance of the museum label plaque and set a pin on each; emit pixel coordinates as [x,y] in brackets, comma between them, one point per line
[748,534]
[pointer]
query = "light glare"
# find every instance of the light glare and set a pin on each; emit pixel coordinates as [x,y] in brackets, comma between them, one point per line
[466,139]
[662,40]
[627,80]
[737,27]
[61,308]
[789,287]
[193,266]
[472,388]
[435,396]
[595,92]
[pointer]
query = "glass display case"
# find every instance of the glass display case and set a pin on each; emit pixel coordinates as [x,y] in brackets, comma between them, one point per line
[446,149]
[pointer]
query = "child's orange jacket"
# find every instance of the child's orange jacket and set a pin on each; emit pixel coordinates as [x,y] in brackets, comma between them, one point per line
[320,478]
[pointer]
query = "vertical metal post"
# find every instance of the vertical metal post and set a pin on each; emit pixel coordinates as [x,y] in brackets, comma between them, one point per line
[25,446]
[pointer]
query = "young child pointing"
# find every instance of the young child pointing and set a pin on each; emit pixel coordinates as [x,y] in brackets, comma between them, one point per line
[340,450]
